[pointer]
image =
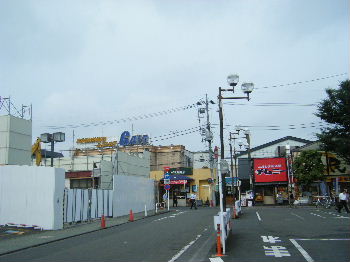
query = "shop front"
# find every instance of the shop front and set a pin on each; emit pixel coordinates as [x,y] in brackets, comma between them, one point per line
[271,181]
[180,186]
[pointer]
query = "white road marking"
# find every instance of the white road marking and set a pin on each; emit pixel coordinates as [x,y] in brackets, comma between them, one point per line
[184,249]
[172,216]
[317,215]
[216,259]
[297,216]
[302,251]
[327,239]
[276,251]
[270,239]
[258,215]
[45,236]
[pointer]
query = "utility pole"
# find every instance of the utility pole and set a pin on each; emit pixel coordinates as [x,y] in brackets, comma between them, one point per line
[222,149]
[211,158]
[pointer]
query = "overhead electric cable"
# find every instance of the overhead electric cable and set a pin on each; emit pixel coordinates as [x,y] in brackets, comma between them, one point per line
[302,82]
[130,119]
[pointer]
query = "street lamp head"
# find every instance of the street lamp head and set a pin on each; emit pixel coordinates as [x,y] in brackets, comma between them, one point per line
[234,136]
[238,128]
[247,87]
[240,143]
[232,80]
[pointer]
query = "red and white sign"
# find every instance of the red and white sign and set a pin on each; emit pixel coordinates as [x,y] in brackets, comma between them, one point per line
[270,170]
[178,182]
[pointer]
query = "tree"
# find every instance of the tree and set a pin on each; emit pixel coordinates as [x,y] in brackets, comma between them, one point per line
[335,110]
[308,167]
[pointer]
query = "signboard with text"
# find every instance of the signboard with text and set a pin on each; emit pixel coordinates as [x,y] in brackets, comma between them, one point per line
[270,170]
[185,171]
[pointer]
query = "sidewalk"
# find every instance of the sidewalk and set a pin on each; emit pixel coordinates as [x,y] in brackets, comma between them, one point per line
[32,240]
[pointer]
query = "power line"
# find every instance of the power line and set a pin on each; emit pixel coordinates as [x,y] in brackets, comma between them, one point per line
[127,119]
[302,82]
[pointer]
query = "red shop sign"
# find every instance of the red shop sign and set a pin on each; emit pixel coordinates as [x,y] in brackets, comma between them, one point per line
[270,170]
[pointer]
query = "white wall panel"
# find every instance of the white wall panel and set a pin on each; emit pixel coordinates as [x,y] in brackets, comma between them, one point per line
[32,195]
[131,192]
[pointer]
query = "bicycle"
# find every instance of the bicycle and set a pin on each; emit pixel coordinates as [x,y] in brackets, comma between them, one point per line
[324,201]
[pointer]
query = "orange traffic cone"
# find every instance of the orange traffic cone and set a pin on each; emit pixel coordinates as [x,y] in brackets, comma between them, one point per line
[103,222]
[218,243]
[234,214]
[131,216]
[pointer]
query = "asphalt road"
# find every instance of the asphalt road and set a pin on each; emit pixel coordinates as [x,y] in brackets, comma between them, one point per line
[261,234]
[303,234]
[157,238]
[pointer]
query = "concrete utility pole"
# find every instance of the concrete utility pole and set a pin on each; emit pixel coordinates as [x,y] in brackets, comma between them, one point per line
[211,158]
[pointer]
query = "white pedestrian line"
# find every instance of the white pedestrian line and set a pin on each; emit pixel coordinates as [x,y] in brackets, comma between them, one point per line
[297,216]
[174,258]
[258,215]
[302,251]
[343,217]
[216,259]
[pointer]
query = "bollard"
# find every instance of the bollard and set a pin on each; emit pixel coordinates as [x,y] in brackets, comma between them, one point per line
[145,210]
[103,222]
[218,242]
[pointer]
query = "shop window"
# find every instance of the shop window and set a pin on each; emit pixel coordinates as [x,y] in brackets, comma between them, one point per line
[268,191]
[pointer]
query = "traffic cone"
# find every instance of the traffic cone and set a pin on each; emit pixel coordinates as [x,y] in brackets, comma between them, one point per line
[234,215]
[218,243]
[103,222]
[131,216]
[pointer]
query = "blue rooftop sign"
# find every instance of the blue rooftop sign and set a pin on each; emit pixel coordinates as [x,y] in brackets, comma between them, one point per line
[127,140]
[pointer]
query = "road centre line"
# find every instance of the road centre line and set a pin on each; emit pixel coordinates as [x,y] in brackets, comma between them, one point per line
[174,258]
[258,215]
[298,216]
[302,251]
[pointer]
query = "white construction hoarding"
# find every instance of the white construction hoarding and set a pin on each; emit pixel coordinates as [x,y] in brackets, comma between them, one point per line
[132,193]
[32,195]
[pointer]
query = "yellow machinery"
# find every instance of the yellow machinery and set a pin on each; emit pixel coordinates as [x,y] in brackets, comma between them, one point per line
[36,149]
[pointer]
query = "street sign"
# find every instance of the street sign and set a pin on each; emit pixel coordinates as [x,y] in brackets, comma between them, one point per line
[167,187]
[166,181]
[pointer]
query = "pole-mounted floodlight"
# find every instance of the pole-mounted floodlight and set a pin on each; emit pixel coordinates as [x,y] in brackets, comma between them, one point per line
[52,138]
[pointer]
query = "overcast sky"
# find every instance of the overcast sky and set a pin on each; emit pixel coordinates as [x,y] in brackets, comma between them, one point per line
[83,62]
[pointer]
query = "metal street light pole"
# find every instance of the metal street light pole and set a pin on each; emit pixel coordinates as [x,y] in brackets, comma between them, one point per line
[247,88]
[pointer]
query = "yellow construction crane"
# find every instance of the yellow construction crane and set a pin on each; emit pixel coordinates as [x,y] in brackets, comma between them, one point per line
[36,149]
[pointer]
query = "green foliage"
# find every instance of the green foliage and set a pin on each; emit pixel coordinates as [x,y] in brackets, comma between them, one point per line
[308,167]
[335,110]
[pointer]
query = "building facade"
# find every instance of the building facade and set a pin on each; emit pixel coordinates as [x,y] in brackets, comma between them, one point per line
[269,191]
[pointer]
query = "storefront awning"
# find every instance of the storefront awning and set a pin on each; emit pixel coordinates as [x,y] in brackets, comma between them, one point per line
[178,177]
[271,183]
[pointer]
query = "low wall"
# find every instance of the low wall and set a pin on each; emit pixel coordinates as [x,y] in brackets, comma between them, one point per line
[131,192]
[32,195]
